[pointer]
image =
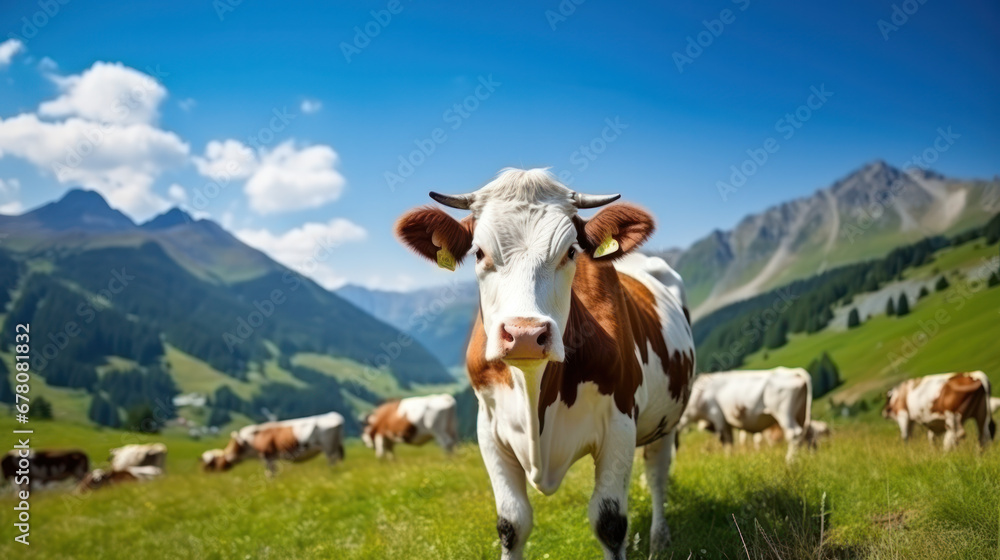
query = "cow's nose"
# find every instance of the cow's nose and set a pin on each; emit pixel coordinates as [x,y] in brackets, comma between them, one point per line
[525,339]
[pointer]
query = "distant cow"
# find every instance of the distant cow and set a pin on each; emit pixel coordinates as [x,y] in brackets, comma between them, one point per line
[288,440]
[44,466]
[148,455]
[214,460]
[753,401]
[415,421]
[942,403]
[99,478]
[817,430]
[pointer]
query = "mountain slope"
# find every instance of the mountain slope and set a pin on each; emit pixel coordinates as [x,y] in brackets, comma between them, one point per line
[863,215]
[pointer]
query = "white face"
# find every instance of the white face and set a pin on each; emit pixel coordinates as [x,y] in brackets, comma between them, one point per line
[525,252]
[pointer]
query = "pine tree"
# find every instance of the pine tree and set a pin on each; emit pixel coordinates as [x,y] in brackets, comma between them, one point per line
[994,280]
[942,284]
[853,320]
[777,335]
[6,390]
[903,307]
[41,409]
[890,307]
[923,293]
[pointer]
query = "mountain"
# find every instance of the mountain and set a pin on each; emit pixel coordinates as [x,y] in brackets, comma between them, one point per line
[440,318]
[77,210]
[186,297]
[863,215]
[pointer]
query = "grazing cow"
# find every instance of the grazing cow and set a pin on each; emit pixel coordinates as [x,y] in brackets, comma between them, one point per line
[44,466]
[147,455]
[415,421]
[99,478]
[942,403]
[816,430]
[214,460]
[295,440]
[580,346]
[753,401]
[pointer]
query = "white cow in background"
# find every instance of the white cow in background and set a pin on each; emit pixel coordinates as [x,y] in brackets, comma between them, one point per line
[138,455]
[753,401]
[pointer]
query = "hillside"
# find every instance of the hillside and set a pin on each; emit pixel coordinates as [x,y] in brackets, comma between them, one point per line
[440,318]
[150,300]
[861,216]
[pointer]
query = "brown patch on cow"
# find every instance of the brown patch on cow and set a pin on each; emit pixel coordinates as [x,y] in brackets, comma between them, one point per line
[275,442]
[959,394]
[389,423]
[630,226]
[427,229]
[481,372]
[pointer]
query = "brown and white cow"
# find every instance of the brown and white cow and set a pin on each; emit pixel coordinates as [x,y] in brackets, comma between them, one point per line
[753,401]
[580,347]
[295,440]
[100,478]
[138,455]
[44,466]
[414,421]
[943,403]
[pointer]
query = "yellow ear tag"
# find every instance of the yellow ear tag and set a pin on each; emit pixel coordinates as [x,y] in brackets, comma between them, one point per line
[610,245]
[446,259]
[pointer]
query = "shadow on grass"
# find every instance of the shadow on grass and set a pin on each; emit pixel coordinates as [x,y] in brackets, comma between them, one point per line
[766,523]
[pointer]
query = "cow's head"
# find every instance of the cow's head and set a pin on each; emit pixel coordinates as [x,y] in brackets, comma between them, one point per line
[214,460]
[891,403]
[235,449]
[526,235]
[367,430]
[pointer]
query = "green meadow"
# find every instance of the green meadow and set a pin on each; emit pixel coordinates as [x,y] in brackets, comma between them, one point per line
[863,494]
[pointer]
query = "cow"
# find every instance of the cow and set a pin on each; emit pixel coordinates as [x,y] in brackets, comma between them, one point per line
[753,401]
[580,346]
[816,430]
[99,478]
[295,440]
[415,421]
[214,460]
[44,466]
[943,403]
[138,455]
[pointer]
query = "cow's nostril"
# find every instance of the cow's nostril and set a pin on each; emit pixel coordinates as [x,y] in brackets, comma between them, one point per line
[543,339]
[506,334]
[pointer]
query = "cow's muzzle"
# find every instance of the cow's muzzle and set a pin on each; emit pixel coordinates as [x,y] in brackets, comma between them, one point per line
[523,338]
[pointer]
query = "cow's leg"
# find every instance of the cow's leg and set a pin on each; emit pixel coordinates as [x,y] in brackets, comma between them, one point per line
[270,465]
[952,430]
[658,456]
[445,441]
[383,447]
[514,515]
[608,509]
[905,426]
[930,437]
[794,433]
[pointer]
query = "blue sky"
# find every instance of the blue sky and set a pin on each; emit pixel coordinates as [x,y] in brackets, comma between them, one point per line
[559,73]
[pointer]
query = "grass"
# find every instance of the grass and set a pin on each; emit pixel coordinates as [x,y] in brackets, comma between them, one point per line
[883,500]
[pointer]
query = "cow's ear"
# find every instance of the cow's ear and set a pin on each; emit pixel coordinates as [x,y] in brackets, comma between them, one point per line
[614,231]
[436,236]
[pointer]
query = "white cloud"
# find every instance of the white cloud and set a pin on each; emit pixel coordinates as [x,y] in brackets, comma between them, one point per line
[119,161]
[229,159]
[177,194]
[291,179]
[8,49]
[310,106]
[47,65]
[9,191]
[107,93]
[308,249]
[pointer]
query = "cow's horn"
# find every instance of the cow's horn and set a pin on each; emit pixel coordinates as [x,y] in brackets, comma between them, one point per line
[593,200]
[460,201]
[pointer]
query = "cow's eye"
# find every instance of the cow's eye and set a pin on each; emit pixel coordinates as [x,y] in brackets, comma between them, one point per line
[479,255]
[571,253]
